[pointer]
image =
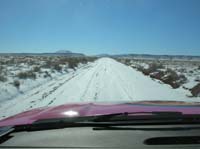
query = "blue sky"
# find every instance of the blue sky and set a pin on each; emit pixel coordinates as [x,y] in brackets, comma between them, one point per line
[101,26]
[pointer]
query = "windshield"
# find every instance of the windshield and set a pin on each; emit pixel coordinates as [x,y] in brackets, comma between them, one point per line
[60,52]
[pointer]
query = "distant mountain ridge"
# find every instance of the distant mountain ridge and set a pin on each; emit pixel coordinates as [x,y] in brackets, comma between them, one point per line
[57,53]
[63,51]
[136,56]
[151,56]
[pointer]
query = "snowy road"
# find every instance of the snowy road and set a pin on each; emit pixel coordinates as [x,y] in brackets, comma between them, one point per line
[105,80]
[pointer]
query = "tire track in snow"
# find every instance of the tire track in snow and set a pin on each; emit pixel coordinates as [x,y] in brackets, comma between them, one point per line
[57,86]
[124,86]
[96,88]
[97,92]
[26,102]
[89,83]
[55,81]
[105,80]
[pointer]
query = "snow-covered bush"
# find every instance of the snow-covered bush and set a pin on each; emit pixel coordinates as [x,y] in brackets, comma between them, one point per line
[168,76]
[173,79]
[157,75]
[156,65]
[143,70]
[153,67]
[169,72]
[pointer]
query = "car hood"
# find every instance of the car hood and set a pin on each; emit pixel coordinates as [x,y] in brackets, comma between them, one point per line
[92,109]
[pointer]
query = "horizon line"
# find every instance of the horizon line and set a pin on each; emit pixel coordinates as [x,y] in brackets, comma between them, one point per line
[99,54]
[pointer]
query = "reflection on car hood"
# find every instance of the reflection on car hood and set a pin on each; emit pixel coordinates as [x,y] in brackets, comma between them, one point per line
[92,109]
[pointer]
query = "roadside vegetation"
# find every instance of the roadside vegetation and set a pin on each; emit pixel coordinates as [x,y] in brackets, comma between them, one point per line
[2,74]
[177,74]
[16,70]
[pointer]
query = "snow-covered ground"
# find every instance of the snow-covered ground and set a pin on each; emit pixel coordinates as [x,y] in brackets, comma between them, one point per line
[183,73]
[104,80]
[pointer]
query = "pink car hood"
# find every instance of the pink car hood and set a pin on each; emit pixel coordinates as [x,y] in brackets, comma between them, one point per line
[91,109]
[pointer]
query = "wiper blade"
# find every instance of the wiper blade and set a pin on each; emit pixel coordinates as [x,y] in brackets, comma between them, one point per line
[4,132]
[136,115]
[116,119]
[147,129]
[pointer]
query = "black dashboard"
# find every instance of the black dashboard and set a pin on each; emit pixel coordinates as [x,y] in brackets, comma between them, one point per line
[133,137]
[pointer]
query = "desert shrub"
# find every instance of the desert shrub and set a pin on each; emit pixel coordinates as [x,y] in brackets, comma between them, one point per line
[16,83]
[168,76]
[197,79]
[127,61]
[169,72]
[62,60]
[134,66]
[48,64]
[36,69]
[30,61]
[52,71]
[146,71]
[3,78]
[26,75]
[169,80]
[88,59]
[2,62]
[182,79]
[196,90]
[173,79]
[191,71]
[2,74]
[57,67]
[72,63]
[10,61]
[46,74]
[153,67]
[83,60]
[157,75]
[1,69]
[182,70]
[143,70]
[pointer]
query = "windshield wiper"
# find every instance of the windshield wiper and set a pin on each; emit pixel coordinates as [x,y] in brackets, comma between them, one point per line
[116,119]
[4,133]
[148,129]
[137,115]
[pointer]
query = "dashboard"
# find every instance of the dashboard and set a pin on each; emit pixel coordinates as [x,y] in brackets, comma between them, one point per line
[131,137]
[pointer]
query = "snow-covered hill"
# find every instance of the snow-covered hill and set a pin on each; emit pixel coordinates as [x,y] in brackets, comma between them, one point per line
[104,80]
